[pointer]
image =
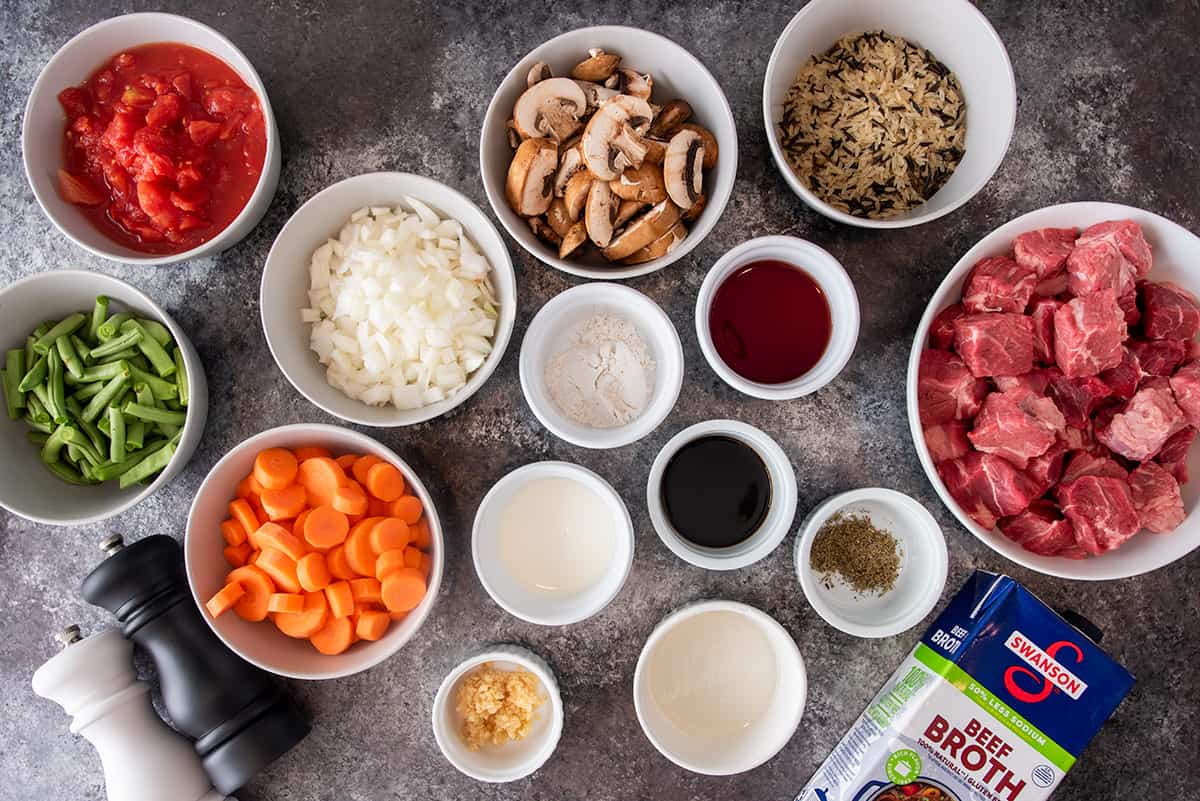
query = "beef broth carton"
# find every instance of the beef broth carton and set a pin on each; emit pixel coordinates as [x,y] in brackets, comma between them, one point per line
[995,703]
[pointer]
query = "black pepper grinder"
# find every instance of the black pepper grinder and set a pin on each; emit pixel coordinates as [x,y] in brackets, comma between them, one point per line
[237,715]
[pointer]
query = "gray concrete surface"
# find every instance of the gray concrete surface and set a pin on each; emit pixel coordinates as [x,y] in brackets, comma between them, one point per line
[1108,111]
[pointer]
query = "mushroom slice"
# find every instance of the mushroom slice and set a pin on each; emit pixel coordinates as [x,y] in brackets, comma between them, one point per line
[644,184]
[670,117]
[683,168]
[696,210]
[656,149]
[558,218]
[659,247]
[543,230]
[596,94]
[537,73]
[576,194]
[634,83]
[514,136]
[639,111]
[710,143]
[597,67]
[572,239]
[599,214]
[627,211]
[530,184]
[610,144]
[643,230]
[550,108]
[569,163]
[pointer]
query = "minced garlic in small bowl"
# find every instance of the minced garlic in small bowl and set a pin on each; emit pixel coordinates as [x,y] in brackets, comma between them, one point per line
[497,705]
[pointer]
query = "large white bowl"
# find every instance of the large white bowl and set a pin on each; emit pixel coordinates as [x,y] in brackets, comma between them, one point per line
[261,643]
[1176,256]
[285,283]
[42,132]
[677,74]
[26,488]
[958,35]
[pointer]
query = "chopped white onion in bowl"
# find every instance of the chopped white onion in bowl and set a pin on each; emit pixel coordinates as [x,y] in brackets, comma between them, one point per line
[402,307]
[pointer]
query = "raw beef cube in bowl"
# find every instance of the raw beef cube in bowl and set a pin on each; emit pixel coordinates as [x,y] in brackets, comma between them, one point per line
[989,486]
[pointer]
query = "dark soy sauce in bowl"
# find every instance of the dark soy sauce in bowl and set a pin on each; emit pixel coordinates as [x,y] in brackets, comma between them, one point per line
[716,491]
[770,322]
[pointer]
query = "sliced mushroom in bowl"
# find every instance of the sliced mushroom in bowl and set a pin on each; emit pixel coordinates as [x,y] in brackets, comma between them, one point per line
[599,152]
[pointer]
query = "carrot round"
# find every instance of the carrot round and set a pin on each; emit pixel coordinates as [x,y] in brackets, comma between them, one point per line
[245,489]
[275,468]
[407,508]
[397,616]
[224,599]
[273,535]
[420,533]
[339,568]
[308,621]
[372,625]
[280,568]
[313,572]
[286,602]
[320,477]
[359,554]
[257,586]
[311,452]
[298,523]
[388,534]
[378,508]
[233,532]
[350,499]
[361,465]
[412,557]
[366,590]
[426,566]
[403,589]
[385,481]
[346,461]
[334,637]
[326,527]
[281,504]
[241,511]
[389,561]
[237,555]
[340,598]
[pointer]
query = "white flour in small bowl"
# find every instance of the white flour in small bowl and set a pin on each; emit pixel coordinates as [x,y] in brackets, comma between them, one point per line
[604,378]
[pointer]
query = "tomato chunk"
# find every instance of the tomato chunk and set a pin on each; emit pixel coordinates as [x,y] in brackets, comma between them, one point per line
[79,189]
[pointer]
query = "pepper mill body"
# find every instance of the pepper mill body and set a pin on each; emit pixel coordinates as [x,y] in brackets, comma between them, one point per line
[236,714]
[143,759]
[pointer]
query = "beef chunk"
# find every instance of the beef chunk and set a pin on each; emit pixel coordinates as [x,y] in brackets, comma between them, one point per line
[1185,385]
[1044,251]
[1143,425]
[998,284]
[1123,380]
[946,389]
[1174,455]
[1084,463]
[1041,311]
[941,330]
[1007,430]
[1088,335]
[995,344]
[1156,498]
[1054,285]
[987,487]
[1169,312]
[1158,356]
[1047,470]
[1101,510]
[1108,255]
[1078,397]
[1035,381]
[947,441]
[1040,529]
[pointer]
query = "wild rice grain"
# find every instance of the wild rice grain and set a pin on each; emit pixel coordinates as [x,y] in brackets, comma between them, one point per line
[875,126]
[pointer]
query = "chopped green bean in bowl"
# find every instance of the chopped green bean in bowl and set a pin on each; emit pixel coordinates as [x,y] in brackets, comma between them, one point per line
[105,395]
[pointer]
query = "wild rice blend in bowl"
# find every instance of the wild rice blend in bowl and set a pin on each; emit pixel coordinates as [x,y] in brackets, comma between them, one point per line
[875,126]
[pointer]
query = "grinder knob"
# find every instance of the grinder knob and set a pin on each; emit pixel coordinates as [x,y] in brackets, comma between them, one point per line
[236,713]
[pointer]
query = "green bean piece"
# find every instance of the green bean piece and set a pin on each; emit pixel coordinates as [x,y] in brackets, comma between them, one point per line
[31,355]
[69,474]
[154,415]
[135,435]
[120,356]
[166,429]
[112,326]
[74,436]
[42,426]
[99,315]
[99,438]
[181,376]
[38,437]
[101,399]
[54,381]
[110,470]
[148,466]
[103,372]
[116,434]
[36,410]
[139,361]
[14,365]
[11,393]
[173,404]
[143,395]
[102,423]
[67,325]
[81,347]
[115,344]
[35,375]
[70,359]
[52,449]
[75,456]
[87,391]
[159,332]
[162,388]
[150,347]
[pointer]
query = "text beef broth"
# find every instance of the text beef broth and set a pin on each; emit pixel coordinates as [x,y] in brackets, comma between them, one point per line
[995,703]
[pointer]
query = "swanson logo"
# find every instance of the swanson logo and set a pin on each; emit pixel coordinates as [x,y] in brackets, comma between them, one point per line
[1051,673]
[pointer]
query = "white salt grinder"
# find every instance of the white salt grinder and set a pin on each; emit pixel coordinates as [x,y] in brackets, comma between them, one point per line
[93,679]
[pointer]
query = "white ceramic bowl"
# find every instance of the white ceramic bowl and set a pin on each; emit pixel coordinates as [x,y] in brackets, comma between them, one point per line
[677,74]
[780,513]
[261,643]
[547,337]
[755,744]
[42,132]
[823,268]
[512,760]
[958,35]
[1176,254]
[285,283]
[514,597]
[923,565]
[26,488]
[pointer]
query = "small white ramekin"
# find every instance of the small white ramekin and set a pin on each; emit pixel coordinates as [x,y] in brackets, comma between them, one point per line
[506,591]
[547,337]
[759,742]
[513,760]
[780,513]
[42,130]
[834,282]
[923,565]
